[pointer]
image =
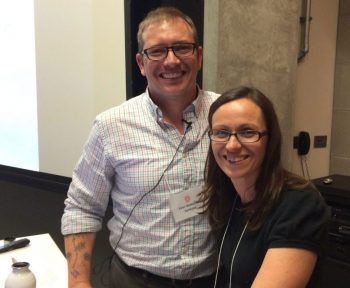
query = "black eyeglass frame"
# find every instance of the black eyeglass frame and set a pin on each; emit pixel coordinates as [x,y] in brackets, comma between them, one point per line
[171,47]
[236,134]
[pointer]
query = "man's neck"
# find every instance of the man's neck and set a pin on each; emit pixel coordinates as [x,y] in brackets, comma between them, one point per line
[172,109]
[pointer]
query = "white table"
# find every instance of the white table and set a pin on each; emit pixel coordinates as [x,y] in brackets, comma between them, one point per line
[46,262]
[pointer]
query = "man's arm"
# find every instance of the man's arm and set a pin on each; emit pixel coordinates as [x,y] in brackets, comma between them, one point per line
[78,252]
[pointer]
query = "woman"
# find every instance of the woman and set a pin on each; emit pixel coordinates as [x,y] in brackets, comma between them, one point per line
[274,222]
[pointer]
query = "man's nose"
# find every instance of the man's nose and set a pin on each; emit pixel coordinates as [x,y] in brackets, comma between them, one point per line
[171,57]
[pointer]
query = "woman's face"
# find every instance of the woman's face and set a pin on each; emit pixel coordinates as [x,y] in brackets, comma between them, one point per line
[239,161]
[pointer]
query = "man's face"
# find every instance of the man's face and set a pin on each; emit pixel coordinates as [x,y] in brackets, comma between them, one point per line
[171,77]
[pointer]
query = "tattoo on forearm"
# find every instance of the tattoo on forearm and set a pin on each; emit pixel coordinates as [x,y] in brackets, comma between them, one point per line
[78,248]
[87,256]
[75,273]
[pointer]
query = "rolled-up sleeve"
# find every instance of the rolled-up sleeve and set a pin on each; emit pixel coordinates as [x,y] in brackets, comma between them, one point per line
[89,191]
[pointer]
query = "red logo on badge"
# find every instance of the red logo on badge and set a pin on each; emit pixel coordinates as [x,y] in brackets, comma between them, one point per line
[187,198]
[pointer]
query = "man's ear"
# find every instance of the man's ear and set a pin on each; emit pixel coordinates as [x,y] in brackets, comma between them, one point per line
[200,56]
[139,61]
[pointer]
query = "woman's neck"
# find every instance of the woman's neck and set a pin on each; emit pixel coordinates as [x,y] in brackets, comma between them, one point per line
[245,189]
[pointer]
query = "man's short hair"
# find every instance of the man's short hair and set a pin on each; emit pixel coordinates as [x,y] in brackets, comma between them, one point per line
[163,14]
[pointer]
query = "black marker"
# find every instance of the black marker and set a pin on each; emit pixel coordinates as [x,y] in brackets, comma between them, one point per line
[14,245]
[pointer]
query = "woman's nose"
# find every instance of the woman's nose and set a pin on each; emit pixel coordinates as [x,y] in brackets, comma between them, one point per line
[233,143]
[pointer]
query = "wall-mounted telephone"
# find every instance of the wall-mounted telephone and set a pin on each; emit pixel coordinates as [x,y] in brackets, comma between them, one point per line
[303,143]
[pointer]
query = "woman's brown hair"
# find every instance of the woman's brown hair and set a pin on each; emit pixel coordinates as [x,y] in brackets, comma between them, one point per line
[219,191]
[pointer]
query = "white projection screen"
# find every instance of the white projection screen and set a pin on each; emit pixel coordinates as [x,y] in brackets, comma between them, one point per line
[18,100]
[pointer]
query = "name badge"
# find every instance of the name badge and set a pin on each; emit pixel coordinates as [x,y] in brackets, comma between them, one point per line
[186,204]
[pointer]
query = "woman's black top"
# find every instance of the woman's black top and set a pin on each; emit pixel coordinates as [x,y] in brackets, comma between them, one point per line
[299,221]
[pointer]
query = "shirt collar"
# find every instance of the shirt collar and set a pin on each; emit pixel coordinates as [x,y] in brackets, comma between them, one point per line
[190,112]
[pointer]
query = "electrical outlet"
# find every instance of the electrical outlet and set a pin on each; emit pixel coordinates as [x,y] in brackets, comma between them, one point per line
[295,142]
[320,141]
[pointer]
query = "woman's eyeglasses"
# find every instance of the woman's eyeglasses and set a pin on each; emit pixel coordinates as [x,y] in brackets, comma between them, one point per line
[244,136]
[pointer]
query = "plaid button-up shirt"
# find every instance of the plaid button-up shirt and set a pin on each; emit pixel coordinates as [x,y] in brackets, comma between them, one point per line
[130,149]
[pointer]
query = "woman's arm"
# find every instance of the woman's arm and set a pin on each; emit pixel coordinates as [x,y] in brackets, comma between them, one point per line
[285,267]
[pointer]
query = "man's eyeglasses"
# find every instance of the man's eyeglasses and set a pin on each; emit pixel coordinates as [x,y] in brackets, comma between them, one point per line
[244,136]
[181,50]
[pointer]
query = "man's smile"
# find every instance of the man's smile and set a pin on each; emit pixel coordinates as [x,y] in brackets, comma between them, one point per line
[171,75]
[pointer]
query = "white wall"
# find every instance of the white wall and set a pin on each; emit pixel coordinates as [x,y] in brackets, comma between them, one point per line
[80,72]
[18,108]
[315,81]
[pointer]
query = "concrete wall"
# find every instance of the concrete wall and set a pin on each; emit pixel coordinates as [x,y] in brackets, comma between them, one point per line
[256,44]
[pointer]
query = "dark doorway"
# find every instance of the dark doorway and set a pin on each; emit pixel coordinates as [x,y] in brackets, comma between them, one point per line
[135,11]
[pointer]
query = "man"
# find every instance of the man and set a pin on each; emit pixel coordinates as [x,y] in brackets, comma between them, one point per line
[148,155]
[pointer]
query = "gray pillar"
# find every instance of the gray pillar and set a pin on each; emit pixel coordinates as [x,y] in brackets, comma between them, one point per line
[254,43]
